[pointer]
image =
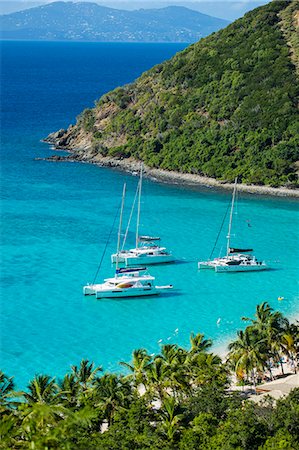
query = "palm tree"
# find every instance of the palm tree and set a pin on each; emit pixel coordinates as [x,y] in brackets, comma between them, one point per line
[38,418]
[42,410]
[270,326]
[112,392]
[42,389]
[262,314]
[84,420]
[6,388]
[140,361]
[205,368]
[70,391]
[199,344]
[176,375]
[156,376]
[290,343]
[248,353]
[86,373]
[170,353]
[170,418]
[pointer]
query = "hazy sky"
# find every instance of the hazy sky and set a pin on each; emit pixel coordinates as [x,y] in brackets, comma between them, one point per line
[226,9]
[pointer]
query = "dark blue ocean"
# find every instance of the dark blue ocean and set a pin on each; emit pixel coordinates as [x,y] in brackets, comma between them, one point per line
[56,217]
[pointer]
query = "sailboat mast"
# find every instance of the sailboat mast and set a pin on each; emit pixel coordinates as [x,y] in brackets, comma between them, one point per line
[231,217]
[120,225]
[138,210]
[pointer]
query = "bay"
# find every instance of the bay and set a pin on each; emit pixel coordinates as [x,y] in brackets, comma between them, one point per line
[56,218]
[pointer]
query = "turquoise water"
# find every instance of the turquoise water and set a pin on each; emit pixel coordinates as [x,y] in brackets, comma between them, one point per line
[56,218]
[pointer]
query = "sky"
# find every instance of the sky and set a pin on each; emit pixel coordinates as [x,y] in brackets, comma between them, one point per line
[225,9]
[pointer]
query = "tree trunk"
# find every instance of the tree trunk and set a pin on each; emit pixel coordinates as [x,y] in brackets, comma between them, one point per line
[254,382]
[281,365]
[270,371]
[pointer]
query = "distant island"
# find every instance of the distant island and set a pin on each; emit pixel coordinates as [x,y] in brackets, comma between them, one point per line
[228,9]
[68,21]
[226,106]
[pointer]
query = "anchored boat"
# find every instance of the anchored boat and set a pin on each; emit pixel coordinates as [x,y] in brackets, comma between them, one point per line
[147,250]
[236,259]
[126,282]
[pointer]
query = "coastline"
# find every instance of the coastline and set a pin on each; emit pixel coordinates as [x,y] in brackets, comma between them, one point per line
[171,177]
[221,348]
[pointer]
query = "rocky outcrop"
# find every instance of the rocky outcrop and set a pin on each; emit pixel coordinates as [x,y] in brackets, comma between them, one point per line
[71,139]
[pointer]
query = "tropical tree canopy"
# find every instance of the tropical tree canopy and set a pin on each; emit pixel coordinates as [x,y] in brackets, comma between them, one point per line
[178,399]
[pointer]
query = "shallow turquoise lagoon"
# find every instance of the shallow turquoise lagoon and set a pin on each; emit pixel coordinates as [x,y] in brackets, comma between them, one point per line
[56,218]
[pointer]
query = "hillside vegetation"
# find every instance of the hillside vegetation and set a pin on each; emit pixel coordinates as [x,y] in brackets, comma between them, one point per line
[226,106]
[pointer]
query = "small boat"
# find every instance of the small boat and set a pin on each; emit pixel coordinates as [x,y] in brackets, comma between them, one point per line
[147,251]
[239,263]
[236,259]
[126,282]
[129,283]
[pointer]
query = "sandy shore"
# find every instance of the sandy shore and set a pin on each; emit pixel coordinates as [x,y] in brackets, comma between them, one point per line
[133,166]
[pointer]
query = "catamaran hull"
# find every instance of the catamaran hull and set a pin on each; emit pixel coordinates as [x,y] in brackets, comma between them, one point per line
[125,293]
[148,260]
[132,260]
[90,289]
[240,268]
[206,265]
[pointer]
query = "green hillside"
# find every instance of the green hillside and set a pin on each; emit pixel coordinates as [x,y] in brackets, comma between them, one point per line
[225,106]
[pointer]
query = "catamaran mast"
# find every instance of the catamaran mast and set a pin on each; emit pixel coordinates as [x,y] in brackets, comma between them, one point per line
[120,225]
[138,210]
[130,218]
[231,218]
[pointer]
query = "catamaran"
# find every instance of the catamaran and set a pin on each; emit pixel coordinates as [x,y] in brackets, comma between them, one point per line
[147,250]
[129,283]
[236,259]
[126,282]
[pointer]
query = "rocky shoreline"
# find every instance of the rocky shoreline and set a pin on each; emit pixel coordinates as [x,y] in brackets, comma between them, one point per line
[87,155]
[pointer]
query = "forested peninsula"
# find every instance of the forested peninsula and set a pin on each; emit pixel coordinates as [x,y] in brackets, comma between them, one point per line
[226,106]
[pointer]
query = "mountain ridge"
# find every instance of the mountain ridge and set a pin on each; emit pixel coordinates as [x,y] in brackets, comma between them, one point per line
[226,106]
[87,21]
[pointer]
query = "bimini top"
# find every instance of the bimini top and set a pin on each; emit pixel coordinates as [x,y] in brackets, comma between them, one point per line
[134,269]
[148,238]
[240,250]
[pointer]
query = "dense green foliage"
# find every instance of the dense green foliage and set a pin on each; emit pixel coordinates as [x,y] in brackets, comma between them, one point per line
[290,17]
[226,106]
[179,399]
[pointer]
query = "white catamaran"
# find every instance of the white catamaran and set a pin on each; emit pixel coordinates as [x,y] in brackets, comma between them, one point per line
[236,259]
[126,282]
[147,251]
